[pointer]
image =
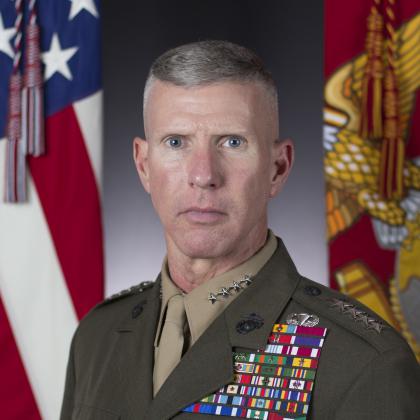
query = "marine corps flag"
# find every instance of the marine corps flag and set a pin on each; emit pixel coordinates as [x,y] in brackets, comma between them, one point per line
[51,259]
[372,156]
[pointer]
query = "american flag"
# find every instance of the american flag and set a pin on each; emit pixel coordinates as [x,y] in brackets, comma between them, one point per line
[51,251]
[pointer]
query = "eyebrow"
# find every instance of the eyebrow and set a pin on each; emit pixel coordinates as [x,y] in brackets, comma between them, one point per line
[222,132]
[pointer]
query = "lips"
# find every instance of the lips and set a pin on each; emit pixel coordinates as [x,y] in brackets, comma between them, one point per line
[207,215]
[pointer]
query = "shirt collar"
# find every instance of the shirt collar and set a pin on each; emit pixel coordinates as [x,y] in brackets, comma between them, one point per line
[200,311]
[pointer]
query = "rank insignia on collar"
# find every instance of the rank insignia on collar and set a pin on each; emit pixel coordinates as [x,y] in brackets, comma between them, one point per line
[225,292]
[212,298]
[271,384]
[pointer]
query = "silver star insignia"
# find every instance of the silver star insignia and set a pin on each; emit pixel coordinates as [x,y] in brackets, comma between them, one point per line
[337,303]
[377,326]
[223,292]
[365,319]
[227,291]
[236,286]
[212,298]
[247,280]
[353,312]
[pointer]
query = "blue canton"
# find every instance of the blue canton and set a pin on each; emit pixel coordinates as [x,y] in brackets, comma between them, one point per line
[82,31]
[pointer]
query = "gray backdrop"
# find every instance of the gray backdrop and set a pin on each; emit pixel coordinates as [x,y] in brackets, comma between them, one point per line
[288,35]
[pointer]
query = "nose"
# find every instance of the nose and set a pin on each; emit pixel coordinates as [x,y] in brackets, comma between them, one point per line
[204,169]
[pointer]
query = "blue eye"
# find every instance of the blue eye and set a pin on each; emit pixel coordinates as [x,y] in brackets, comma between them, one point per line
[233,142]
[174,142]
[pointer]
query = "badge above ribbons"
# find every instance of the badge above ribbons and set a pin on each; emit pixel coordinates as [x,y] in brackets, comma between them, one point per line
[273,384]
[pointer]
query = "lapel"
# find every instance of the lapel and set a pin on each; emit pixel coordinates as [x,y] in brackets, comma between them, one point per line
[134,355]
[208,365]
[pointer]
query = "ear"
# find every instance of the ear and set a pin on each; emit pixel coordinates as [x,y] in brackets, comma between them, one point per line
[140,151]
[283,157]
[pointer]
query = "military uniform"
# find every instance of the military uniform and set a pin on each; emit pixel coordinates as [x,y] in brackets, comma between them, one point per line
[204,304]
[286,347]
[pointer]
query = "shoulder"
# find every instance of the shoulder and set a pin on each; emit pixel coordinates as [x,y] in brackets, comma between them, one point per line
[124,298]
[362,355]
[124,294]
[108,314]
[348,317]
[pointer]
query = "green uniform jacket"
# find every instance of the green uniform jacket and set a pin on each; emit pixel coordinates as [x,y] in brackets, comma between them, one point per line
[362,373]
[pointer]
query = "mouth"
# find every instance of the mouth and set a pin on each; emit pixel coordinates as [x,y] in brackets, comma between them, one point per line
[207,215]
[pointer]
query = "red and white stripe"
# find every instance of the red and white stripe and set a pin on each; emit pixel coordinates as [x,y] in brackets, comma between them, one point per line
[51,261]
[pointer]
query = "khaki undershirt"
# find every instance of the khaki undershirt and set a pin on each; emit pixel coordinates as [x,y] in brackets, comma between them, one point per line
[200,311]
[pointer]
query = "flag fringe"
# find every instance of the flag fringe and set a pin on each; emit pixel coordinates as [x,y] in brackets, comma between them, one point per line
[32,121]
[32,94]
[25,127]
[15,181]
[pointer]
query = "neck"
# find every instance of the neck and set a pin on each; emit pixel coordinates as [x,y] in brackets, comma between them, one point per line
[188,273]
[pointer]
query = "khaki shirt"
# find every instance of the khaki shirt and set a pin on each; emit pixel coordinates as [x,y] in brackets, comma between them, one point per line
[200,311]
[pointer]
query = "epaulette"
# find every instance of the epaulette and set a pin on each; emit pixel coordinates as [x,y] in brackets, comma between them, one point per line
[139,288]
[347,308]
[348,312]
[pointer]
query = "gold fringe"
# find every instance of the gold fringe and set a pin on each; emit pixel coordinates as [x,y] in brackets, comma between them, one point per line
[377,108]
[390,143]
[364,129]
[400,168]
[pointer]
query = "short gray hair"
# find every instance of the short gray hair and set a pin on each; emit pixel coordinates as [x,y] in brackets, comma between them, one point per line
[206,62]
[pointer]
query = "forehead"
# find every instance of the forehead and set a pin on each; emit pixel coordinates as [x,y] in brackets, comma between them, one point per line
[219,105]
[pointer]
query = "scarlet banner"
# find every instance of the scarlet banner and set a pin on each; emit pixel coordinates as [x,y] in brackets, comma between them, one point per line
[372,156]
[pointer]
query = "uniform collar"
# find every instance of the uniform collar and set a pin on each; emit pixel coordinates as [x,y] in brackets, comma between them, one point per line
[210,358]
[265,299]
[200,311]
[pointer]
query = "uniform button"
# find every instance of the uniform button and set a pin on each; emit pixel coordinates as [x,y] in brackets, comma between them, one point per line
[246,326]
[312,290]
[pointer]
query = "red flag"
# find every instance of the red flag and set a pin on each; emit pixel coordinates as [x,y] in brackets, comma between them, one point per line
[372,156]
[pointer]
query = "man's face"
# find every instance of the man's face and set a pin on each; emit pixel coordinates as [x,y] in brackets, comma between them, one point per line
[210,163]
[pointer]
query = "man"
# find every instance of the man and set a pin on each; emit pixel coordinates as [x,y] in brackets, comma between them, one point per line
[229,328]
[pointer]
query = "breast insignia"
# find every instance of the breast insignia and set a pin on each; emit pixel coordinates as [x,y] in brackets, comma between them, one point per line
[249,323]
[306,320]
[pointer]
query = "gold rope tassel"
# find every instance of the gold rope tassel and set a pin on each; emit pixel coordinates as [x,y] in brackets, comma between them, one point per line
[377,108]
[379,119]
[371,102]
[391,184]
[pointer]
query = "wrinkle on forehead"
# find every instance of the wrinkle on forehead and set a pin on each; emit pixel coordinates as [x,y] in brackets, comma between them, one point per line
[226,106]
[221,125]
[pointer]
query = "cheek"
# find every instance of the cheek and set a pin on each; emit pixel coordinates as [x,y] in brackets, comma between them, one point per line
[165,181]
[251,187]
[160,184]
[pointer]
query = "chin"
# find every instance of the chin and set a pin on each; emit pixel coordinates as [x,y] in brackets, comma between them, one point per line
[204,243]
